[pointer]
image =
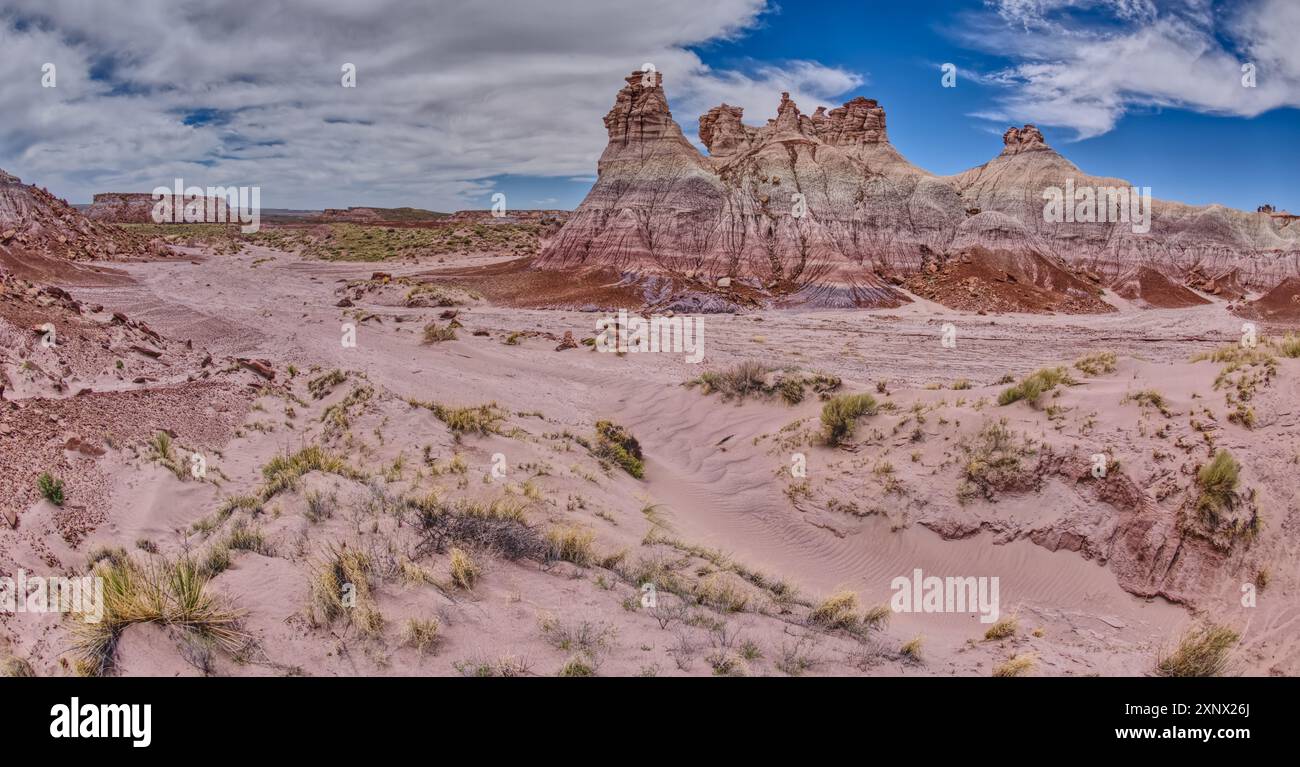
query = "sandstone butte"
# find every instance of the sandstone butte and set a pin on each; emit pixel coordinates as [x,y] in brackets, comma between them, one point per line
[662,210]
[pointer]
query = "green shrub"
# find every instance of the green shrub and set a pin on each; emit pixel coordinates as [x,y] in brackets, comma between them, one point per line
[1218,481]
[51,488]
[1034,385]
[840,415]
[614,443]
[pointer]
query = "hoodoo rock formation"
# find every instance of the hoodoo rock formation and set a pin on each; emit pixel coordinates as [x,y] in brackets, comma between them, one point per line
[823,210]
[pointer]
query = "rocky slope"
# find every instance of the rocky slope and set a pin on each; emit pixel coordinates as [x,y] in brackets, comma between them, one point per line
[821,208]
[35,226]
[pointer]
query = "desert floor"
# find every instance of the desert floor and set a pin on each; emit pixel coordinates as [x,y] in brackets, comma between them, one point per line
[743,551]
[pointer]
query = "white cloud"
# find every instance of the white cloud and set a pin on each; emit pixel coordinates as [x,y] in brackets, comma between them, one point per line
[1085,63]
[448,93]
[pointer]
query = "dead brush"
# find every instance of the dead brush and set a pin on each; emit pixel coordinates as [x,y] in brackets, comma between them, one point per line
[504,535]
[588,637]
[995,462]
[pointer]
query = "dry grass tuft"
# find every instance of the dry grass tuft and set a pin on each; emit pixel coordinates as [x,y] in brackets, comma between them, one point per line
[421,634]
[1004,628]
[464,571]
[166,593]
[1203,651]
[1097,363]
[571,544]
[1018,665]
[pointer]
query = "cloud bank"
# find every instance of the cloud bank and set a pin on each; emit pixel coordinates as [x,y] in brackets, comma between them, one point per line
[449,93]
[1084,64]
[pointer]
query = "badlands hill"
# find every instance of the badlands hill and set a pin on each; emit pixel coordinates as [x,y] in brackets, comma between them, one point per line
[822,209]
[40,234]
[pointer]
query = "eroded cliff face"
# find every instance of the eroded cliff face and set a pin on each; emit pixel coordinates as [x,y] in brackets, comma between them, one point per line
[822,209]
[122,208]
[1186,243]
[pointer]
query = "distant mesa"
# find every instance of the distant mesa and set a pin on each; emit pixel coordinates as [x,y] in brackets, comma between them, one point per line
[821,209]
[371,215]
[138,207]
[509,216]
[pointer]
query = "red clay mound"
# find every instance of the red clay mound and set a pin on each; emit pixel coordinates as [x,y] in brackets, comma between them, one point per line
[54,270]
[517,283]
[1225,285]
[520,283]
[1281,304]
[1154,289]
[978,279]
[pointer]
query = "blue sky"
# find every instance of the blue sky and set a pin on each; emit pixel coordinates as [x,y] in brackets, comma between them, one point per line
[898,48]
[456,101]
